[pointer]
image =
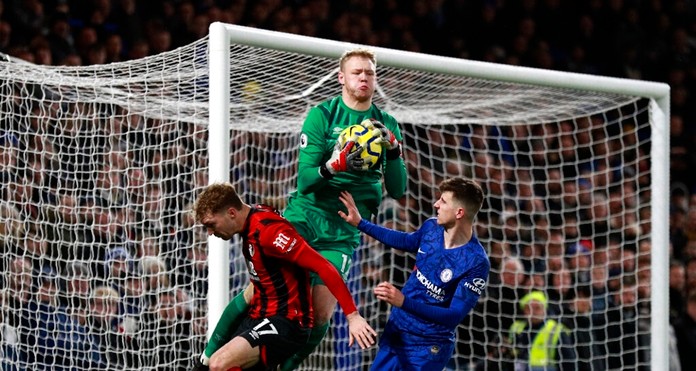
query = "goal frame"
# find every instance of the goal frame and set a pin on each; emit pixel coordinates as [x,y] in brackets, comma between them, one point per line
[221,35]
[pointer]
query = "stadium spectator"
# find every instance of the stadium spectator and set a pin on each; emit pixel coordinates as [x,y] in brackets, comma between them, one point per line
[500,310]
[114,48]
[121,272]
[560,291]
[134,293]
[61,341]
[11,227]
[624,342]
[193,270]
[165,334]
[538,275]
[104,322]
[422,323]
[579,261]
[600,298]
[553,343]
[685,329]
[555,251]
[577,317]
[61,38]
[149,245]
[156,278]
[5,35]
[690,225]
[116,264]
[690,275]
[9,153]
[17,315]
[677,293]
[77,280]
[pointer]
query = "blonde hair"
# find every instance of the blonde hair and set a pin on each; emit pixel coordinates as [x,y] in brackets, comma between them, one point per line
[105,293]
[11,223]
[357,52]
[152,264]
[153,267]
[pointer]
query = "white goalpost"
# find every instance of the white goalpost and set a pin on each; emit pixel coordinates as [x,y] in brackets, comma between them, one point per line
[103,267]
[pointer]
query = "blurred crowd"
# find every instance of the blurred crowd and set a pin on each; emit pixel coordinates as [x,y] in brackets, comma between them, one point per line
[106,294]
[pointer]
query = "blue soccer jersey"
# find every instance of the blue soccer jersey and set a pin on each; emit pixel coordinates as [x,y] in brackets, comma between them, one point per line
[442,289]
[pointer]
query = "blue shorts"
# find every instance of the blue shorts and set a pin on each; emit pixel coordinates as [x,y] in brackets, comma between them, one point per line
[413,357]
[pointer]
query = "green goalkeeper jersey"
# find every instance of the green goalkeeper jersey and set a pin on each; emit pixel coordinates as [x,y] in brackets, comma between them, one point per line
[313,207]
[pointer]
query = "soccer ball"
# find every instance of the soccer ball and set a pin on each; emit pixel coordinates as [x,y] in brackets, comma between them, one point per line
[371,148]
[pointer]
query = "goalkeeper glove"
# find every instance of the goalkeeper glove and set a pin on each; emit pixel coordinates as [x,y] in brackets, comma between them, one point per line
[198,364]
[342,159]
[388,140]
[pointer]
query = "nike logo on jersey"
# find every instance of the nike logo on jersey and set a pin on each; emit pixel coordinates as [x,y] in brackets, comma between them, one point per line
[420,251]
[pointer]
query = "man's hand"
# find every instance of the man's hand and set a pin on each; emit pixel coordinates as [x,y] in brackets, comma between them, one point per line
[388,140]
[385,291]
[353,217]
[360,330]
[342,159]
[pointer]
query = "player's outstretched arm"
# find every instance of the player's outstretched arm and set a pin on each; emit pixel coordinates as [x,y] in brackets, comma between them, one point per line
[396,239]
[360,331]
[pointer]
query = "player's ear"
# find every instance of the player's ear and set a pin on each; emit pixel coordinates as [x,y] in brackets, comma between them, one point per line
[461,213]
[231,212]
[341,78]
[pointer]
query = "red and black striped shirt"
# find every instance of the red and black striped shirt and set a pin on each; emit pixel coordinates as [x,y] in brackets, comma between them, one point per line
[279,260]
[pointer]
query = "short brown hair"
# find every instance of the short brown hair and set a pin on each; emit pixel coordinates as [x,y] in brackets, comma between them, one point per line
[357,52]
[216,197]
[466,191]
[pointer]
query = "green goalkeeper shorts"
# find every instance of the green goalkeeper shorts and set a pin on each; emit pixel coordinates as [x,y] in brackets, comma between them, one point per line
[339,260]
[341,257]
[327,233]
[324,231]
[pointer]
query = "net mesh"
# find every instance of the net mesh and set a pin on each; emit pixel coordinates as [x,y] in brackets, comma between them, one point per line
[103,266]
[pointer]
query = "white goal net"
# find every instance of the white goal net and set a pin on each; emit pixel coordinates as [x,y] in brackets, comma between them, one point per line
[102,267]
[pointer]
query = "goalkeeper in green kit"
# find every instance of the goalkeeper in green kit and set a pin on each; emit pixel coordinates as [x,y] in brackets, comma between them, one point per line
[325,170]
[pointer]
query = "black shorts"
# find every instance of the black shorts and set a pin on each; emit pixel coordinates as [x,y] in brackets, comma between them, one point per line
[277,338]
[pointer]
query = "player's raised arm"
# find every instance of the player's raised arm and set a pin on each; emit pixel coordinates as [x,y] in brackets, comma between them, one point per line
[359,329]
[396,239]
